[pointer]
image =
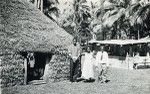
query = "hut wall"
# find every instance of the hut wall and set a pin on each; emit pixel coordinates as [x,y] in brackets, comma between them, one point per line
[59,68]
[12,69]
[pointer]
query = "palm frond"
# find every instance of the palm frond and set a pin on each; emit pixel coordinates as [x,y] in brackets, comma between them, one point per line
[109,21]
[131,9]
[141,14]
[144,10]
[102,10]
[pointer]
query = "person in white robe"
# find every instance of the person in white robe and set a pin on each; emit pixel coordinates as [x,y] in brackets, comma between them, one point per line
[87,68]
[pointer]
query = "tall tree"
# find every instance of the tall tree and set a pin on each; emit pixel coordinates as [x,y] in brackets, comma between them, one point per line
[140,18]
[79,20]
[125,18]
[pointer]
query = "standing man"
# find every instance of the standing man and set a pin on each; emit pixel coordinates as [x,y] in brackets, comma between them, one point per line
[30,65]
[102,63]
[74,53]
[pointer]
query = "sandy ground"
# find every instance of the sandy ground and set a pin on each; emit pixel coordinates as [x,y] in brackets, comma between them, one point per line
[122,81]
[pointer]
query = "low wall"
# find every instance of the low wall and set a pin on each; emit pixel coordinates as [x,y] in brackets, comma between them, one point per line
[121,62]
[127,62]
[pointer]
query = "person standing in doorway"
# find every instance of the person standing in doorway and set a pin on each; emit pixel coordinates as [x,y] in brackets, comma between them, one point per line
[102,63]
[74,53]
[31,64]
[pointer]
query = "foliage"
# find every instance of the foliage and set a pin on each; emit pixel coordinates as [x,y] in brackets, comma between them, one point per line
[108,19]
[75,19]
[124,19]
[81,20]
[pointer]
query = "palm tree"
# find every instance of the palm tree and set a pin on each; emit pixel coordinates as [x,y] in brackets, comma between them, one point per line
[128,19]
[81,19]
[139,18]
[111,14]
[77,22]
[82,12]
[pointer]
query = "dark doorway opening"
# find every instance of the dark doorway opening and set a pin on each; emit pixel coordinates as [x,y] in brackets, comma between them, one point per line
[37,71]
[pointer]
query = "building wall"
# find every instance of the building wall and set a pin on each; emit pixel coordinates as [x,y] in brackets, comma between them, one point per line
[59,68]
[12,69]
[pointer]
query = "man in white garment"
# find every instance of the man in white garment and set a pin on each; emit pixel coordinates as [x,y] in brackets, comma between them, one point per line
[102,63]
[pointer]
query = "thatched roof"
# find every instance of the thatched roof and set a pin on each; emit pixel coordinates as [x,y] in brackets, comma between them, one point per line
[25,28]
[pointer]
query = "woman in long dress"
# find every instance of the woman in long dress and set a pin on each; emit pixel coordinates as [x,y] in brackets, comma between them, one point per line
[87,68]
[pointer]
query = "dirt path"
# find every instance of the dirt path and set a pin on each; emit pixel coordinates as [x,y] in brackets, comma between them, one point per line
[121,82]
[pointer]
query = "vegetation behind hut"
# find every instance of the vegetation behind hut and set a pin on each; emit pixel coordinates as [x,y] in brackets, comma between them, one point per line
[107,19]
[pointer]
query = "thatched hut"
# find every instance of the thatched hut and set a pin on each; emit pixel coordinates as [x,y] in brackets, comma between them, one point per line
[23,29]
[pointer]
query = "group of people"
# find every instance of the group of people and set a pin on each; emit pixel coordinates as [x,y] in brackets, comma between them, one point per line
[88,65]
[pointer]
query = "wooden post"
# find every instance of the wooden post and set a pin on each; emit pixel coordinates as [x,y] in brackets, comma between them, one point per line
[0,78]
[127,56]
[35,3]
[25,74]
[138,34]
[42,5]
[38,4]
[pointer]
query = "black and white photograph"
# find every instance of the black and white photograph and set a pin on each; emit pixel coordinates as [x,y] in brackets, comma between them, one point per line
[75,46]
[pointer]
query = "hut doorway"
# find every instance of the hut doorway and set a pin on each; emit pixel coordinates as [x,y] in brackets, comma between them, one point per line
[35,72]
[35,65]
